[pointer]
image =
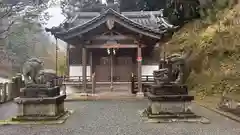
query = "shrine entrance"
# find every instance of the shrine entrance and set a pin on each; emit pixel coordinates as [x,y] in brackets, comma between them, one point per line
[112,43]
[114,68]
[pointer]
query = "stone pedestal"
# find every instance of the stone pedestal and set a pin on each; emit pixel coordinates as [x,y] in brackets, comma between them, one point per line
[35,92]
[168,106]
[169,101]
[168,89]
[40,104]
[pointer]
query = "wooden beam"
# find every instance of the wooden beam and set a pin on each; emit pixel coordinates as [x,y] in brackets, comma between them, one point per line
[114,37]
[113,46]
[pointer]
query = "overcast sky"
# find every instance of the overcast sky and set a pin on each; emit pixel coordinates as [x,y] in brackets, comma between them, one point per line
[57,17]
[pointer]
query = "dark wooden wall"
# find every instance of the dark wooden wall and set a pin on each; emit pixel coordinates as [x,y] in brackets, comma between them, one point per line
[75,56]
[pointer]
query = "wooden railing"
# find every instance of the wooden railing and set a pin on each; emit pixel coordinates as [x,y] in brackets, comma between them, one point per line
[146,79]
[10,90]
[74,78]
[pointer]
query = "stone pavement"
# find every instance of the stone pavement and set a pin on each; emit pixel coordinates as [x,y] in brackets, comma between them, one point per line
[119,117]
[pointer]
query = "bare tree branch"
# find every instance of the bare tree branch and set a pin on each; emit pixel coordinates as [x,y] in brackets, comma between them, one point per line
[6,13]
[8,28]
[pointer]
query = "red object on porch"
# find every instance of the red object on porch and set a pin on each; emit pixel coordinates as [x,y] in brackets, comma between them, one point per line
[139,58]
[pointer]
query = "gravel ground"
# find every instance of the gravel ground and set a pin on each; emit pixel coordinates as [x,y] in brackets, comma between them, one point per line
[118,118]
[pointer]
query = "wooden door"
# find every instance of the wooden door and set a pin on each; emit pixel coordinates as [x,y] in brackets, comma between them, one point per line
[123,69]
[103,70]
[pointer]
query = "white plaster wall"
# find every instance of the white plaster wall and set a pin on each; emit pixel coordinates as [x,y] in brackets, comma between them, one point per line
[77,71]
[148,69]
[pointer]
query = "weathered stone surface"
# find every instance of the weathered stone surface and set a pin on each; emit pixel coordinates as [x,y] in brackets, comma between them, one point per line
[35,92]
[46,100]
[40,108]
[169,89]
[170,107]
[31,69]
[169,98]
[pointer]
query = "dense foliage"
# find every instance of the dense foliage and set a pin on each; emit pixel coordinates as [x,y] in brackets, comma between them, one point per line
[214,40]
[21,34]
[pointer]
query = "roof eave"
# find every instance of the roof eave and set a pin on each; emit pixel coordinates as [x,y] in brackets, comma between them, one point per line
[81,29]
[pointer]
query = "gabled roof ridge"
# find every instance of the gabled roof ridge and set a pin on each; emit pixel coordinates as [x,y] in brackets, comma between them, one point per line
[110,10]
[87,22]
[134,22]
[156,23]
[155,11]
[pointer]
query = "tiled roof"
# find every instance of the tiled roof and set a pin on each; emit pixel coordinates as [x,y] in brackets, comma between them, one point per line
[150,23]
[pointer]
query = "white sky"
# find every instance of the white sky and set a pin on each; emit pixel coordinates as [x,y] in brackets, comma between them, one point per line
[104,1]
[57,17]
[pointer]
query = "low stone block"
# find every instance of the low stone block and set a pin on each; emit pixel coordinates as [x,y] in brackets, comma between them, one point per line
[169,98]
[170,107]
[169,104]
[40,108]
[169,89]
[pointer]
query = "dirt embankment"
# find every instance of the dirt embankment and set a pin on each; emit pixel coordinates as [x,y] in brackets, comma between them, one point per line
[216,51]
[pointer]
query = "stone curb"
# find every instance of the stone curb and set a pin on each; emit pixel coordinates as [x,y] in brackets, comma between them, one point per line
[225,114]
[50,122]
[101,97]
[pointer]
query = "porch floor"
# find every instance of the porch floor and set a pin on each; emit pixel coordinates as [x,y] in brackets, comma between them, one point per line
[122,91]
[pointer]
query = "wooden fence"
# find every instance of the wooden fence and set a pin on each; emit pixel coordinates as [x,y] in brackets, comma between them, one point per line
[146,80]
[10,90]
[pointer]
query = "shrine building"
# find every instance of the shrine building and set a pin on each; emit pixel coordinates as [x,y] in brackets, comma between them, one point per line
[114,45]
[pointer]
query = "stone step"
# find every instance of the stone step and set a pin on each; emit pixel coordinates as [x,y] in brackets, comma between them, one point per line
[169,98]
[178,116]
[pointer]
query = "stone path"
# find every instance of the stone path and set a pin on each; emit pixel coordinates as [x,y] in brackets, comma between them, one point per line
[118,118]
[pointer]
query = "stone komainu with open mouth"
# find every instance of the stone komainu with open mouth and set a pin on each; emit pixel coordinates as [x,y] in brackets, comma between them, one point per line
[168,96]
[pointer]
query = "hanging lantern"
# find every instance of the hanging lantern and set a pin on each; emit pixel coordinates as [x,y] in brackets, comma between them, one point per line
[114,52]
[108,51]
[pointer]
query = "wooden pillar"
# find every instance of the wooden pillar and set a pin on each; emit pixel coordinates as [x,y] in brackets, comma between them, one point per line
[84,68]
[56,56]
[111,66]
[139,60]
[68,60]
[91,65]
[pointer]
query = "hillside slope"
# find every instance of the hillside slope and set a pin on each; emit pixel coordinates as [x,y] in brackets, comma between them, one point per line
[216,51]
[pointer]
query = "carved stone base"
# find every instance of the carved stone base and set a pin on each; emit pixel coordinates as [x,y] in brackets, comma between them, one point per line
[49,108]
[169,107]
[169,89]
[39,91]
